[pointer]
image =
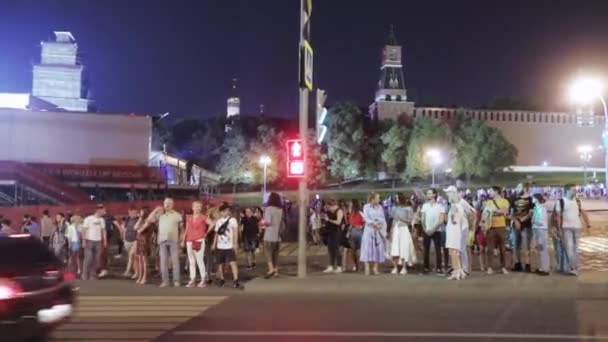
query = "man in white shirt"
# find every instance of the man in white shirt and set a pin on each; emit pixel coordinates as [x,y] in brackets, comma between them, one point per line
[570,221]
[226,244]
[93,241]
[432,218]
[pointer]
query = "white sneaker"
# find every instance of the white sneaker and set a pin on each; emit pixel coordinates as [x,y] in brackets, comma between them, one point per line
[190,284]
[394,271]
[329,269]
[103,273]
[490,271]
[338,270]
[504,271]
[403,271]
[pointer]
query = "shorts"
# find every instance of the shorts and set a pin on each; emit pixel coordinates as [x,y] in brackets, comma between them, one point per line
[75,246]
[225,255]
[129,245]
[250,244]
[522,238]
[355,238]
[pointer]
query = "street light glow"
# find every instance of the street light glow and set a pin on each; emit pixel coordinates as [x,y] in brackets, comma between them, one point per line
[585,149]
[265,160]
[585,90]
[435,156]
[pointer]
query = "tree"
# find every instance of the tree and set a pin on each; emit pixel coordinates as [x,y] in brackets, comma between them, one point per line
[395,142]
[345,141]
[425,134]
[233,166]
[267,142]
[482,151]
[315,162]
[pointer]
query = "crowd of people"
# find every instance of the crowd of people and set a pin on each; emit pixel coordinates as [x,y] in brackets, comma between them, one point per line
[487,224]
[210,237]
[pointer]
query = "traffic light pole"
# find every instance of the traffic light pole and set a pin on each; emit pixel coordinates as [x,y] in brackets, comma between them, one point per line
[302,190]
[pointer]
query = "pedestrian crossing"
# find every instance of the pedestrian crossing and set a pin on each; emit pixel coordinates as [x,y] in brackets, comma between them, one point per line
[130,318]
[592,244]
[290,249]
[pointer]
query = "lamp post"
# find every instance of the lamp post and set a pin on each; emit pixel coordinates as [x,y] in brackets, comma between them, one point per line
[264,161]
[435,159]
[585,91]
[585,154]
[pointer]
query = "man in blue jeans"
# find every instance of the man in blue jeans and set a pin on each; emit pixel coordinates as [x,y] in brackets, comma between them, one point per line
[570,220]
[93,241]
[170,224]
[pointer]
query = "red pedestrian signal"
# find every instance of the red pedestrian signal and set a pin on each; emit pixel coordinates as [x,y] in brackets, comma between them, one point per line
[295,160]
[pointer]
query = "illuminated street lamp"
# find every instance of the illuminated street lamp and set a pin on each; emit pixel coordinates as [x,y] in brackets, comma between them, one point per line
[434,159]
[585,154]
[264,161]
[584,91]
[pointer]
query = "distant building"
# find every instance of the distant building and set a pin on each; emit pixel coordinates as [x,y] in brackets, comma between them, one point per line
[548,138]
[234,103]
[60,79]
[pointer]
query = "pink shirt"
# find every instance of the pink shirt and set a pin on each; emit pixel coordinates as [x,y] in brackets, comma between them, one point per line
[196,227]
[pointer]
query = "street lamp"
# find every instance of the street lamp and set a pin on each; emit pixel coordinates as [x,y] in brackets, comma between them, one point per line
[264,161]
[435,159]
[585,91]
[585,154]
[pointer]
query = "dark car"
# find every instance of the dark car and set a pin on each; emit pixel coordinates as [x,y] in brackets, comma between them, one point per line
[35,293]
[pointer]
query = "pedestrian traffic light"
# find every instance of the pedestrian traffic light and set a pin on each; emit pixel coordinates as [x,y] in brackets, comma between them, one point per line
[295,160]
[322,112]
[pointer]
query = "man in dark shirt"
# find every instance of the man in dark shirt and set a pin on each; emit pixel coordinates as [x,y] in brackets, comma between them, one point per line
[521,220]
[250,235]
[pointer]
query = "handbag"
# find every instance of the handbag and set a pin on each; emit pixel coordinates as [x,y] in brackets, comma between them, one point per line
[196,245]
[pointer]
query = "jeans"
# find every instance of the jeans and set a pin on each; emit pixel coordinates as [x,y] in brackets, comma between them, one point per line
[541,236]
[92,254]
[561,260]
[196,258]
[571,237]
[172,248]
[521,239]
[333,248]
[436,239]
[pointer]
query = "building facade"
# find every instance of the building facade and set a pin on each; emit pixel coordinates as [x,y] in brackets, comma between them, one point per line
[60,80]
[541,138]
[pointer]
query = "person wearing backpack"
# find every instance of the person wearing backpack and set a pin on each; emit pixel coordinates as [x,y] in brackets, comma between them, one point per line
[226,244]
[570,218]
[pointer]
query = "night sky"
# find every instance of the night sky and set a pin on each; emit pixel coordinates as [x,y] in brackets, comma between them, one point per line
[152,56]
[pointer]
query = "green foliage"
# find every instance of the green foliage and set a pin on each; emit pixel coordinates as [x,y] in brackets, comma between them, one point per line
[316,162]
[425,135]
[233,166]
[345,141]
[271,143]
[395,141]
[482,151]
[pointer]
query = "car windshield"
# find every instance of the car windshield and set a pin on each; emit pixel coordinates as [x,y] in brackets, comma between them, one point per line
[23,251]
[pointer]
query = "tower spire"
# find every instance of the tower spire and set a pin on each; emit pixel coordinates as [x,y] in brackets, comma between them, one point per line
[391,40]
[234,103]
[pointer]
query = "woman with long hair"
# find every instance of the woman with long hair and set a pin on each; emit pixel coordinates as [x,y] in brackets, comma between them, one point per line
[143,245]
[74,244]
[333,220]
[271,224]
[373,242]
[402,246]
[457,232]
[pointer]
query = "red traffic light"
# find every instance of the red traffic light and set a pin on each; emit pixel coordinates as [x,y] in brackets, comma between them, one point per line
[295,160]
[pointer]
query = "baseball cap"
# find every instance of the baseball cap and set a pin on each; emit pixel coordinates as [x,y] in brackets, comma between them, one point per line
[450,188]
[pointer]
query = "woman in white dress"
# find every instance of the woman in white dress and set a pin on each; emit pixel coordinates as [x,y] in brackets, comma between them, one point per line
[402,247]
[457,232]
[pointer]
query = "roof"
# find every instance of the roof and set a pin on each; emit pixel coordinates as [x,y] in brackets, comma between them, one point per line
[64,37]
[391,39]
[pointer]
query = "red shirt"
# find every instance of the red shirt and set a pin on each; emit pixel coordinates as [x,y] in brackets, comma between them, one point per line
[196,227]
[356,220]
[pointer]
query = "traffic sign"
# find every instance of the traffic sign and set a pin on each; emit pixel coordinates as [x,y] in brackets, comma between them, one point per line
[307,65]
[295,159]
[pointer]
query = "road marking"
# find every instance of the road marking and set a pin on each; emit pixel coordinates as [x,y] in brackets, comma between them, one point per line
[446,335]
[131,318]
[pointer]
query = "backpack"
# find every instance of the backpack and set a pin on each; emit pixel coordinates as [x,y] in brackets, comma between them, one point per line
[554,214]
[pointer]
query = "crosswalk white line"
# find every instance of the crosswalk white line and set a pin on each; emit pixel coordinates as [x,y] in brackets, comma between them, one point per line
[132,318]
